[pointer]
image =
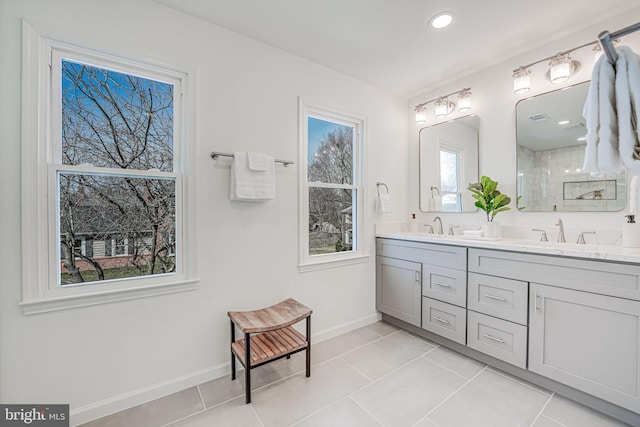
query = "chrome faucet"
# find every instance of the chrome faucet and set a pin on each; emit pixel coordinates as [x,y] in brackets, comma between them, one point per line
[439,221]
[561,238]
[581,240]
[451,233]
[429,228]
[543,236]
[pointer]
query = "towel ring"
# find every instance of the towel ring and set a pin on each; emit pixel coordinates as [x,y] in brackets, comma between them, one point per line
[378,184]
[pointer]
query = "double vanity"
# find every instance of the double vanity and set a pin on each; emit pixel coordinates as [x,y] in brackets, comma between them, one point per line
[565,317]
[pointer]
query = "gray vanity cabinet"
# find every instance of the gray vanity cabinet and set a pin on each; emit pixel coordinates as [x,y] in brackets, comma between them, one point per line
[398,289]
[587,341]
[407,273]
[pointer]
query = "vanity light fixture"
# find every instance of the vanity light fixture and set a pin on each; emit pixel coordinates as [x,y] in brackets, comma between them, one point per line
[443,106]
[464,101]
[521,81]
[421,113]
[562,67]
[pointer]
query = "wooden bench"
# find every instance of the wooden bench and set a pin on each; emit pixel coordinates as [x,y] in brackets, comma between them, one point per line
[273,337]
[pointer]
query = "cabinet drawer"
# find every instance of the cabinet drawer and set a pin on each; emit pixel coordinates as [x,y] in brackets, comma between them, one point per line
[601,277]
[426,253]
[498,297]
[498,338]
[444,319]
[445,284]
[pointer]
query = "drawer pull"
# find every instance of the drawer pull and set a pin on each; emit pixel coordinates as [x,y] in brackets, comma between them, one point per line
[493,338]
[494,297]
[441,320]
[444,285]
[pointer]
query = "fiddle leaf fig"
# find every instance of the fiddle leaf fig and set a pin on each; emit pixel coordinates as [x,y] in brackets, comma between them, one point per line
[488,198]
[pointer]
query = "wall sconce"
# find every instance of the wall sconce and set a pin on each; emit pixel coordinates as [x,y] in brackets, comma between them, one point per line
[443,106]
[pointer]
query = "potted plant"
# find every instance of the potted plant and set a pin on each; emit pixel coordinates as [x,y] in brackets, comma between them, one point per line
[491,201]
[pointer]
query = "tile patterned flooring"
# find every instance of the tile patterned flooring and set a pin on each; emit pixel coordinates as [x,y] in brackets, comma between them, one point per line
[377,375]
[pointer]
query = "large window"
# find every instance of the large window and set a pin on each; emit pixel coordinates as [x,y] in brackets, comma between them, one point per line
[110,164]
[331,193]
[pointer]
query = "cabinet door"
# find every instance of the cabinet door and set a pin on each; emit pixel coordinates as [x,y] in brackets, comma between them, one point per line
[398,290]
[587,341]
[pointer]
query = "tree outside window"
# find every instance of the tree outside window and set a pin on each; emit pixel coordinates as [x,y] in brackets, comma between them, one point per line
[113,123]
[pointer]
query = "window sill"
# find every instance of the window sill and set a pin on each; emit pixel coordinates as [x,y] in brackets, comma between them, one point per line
[64,303]
[321,265]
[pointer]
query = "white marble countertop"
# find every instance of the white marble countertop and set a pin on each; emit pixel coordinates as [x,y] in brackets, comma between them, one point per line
[607,252]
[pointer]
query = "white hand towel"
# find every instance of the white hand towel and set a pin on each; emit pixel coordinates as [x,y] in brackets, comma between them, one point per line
[627,99]
[437,203]
[250,185]
[384,203]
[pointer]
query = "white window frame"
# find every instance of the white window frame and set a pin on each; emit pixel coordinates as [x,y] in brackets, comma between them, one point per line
[309,262]
[41,164]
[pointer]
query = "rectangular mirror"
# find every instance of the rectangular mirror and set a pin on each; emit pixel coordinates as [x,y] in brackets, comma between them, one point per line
[448,164]
[550,134]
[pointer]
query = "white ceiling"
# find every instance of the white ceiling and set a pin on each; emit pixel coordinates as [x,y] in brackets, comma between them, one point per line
[389,44]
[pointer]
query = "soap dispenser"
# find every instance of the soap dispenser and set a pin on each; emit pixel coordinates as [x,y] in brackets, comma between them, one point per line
[413,224]
[631,233]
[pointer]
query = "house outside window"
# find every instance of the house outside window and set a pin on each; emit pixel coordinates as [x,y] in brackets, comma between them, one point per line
[110,161]
[331,186]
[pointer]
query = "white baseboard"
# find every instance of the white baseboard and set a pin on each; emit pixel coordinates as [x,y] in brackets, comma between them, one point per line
[142,395]
[133,398]
[344,328]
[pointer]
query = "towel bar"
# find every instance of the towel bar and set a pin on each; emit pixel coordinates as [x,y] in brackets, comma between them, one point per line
[216,154]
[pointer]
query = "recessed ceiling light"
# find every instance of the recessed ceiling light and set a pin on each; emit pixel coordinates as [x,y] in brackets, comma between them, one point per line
[564,122]
[441,20]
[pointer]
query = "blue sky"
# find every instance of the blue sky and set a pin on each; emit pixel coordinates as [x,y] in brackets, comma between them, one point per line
[317,129]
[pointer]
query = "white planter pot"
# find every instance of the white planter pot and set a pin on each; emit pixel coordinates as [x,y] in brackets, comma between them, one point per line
[490,229]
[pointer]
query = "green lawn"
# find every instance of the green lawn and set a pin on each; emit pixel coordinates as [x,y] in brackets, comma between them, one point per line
[109,273]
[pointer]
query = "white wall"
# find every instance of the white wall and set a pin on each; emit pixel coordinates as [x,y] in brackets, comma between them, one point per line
[494,102]
[102,358]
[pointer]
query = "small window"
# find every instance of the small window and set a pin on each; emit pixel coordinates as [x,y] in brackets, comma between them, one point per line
[113,174]
[331,185]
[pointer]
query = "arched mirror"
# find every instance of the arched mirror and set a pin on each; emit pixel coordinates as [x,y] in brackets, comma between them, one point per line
[448,164]
[550,134]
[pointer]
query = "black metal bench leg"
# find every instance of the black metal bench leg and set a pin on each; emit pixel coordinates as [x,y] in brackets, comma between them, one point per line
[247,367]
[233,356]
[309,346]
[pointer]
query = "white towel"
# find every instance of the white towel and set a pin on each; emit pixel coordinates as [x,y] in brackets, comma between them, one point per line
[437,203]
[627,102]
[384,203]
[251,185]
[259,161]
[602,151]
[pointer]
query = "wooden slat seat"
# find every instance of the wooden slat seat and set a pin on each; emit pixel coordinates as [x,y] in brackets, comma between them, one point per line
[274,337]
